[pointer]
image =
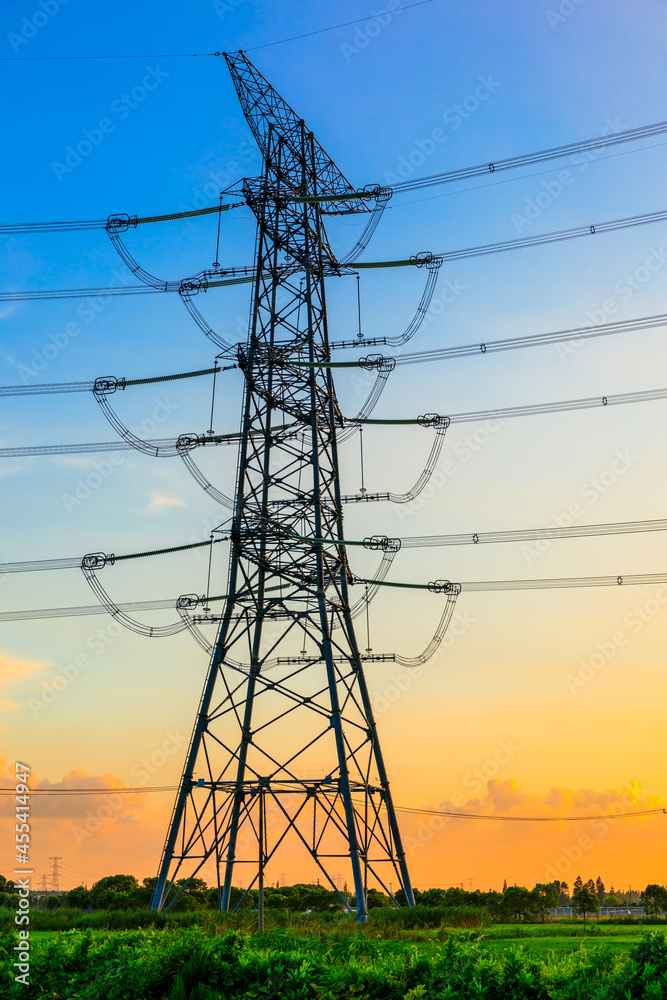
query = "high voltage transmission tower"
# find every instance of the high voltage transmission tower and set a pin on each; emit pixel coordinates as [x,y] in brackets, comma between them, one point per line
[285,749]
[284,753]
[55,874]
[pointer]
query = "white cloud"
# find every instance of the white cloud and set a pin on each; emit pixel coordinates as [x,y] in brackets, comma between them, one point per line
[159,502]
[13,671]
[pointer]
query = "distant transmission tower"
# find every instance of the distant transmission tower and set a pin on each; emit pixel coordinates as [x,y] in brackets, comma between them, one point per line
[266,722]
[55,873]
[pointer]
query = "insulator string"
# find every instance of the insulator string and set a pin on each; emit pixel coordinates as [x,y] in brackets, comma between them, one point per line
[216,262]
[215,372]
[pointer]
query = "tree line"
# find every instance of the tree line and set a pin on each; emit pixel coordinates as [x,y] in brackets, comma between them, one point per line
[515,902]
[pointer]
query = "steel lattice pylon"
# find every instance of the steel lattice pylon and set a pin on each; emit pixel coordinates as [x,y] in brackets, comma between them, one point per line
[286,747]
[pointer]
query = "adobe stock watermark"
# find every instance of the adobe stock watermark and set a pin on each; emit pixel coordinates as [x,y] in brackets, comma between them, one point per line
[476,780]
[239,333]
[208,192]
[365,33]
[449,291]
[142,772]
[564,10]
[454,118]
[120,109]
[57,342]
[635,621]
[625,288]
[573,853]
[86,486]
[402,681]
[591,491]
[464,450]
[96,645]
[550,191]
[32,25]
[225,7]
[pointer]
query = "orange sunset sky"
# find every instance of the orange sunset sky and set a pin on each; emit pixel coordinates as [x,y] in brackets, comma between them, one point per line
[545,703]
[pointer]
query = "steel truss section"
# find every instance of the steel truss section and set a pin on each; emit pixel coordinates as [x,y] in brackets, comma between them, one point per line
[287,757]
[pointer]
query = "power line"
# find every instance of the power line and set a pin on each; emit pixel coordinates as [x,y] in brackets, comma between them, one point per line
[418,357]
[532,819]
[513,180]
[526,159]
[91,609]
[558,583]
[462,538]
[101,559]
[531,409]
[162,447]
[405,809]
[535,534]
[170,446]
[78,870]
[83,449]
[246,274]
[343,24]
[483,250]
[253,48]
[158,55]
[101,386]
[630,135]
[113,224]
[434,587]
[535,409]
[93,791]
[183,602]
[381,542]
[531,340]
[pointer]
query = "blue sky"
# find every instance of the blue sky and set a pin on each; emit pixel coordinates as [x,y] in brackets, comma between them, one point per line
[442,86]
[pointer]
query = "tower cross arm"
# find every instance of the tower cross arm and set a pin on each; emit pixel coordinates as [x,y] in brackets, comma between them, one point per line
[264,110]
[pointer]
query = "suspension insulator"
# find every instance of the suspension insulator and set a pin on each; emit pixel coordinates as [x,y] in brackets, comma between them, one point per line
[433,420]
[377,192]
[187,602]
[377,361]
[107,384]
[381,542]
[97,560]
[186,442]
[424,259]
[192,286]
[120,223]
[376,542]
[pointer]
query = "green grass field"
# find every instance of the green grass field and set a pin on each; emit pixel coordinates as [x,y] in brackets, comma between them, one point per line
[541,939]
[324,959]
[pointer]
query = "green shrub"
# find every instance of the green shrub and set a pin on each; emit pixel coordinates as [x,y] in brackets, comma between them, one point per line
[644,974]
[419,916]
